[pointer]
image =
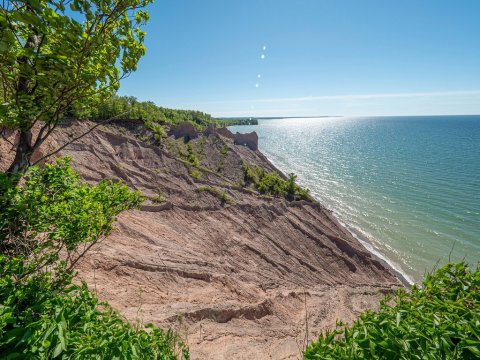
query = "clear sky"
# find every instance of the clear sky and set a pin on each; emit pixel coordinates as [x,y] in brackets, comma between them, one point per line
[312,57]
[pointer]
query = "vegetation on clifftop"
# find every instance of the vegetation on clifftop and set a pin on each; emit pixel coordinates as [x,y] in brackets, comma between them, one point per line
[438,320]
[130,108]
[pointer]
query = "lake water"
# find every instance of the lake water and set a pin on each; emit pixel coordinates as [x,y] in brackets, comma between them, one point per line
[408,187]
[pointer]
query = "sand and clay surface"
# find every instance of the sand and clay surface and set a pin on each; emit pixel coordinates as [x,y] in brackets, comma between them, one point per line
[253,278]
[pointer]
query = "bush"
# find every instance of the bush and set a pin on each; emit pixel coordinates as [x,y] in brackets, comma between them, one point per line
[192,156]
[439,320]
[159,133]
[197,175]
[43,319]
[55,211]
[249,175]
[272,184]
[225,199]
[42,314]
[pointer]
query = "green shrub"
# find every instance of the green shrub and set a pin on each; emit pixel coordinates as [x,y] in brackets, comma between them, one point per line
[191,155]
[44,319]
[55,211]
[159,133]
[249,175]
[438,320]
[42,314]
[225,199]
[195,174]
[272,184]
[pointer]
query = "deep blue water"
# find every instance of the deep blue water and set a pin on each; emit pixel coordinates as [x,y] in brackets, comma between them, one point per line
[408,187]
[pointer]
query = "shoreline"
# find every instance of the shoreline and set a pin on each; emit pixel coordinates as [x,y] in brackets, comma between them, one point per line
[394,268]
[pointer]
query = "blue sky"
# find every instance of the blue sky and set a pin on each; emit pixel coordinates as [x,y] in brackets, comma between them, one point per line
[335,57]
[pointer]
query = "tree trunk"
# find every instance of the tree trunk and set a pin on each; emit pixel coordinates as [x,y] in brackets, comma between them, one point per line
[23,155]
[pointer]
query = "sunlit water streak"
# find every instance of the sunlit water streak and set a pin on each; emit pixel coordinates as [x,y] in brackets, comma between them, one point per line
[408,186]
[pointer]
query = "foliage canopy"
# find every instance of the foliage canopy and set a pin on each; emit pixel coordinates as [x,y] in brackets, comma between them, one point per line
[55,211]
[60,55]
[46,224]
[130,108]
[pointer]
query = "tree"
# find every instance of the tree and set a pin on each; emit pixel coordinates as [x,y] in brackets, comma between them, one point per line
[46,226]
[60,55]
[54,212]
[291,187]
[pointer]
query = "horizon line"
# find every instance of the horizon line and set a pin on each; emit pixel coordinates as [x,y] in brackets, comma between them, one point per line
[274,117]
[350,97]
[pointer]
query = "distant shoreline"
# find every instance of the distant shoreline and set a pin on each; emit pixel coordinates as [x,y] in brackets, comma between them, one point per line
[276,117]
[338,116]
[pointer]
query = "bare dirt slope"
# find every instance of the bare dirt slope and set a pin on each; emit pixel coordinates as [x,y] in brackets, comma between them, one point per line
[249,278]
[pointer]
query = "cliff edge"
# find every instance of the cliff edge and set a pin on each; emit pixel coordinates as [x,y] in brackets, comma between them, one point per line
[237,274]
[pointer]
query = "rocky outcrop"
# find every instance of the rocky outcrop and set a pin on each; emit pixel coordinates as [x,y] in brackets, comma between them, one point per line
[210,130]
[250,279]
[250,140]
[185,130]
[225,132]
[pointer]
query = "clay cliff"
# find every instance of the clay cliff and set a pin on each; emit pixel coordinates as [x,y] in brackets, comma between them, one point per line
[238,275]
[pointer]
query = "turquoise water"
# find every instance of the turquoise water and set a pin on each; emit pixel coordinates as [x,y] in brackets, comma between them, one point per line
[408,187]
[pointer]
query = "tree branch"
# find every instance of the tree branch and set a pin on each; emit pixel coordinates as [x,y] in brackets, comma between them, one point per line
[4,138]
[79,137]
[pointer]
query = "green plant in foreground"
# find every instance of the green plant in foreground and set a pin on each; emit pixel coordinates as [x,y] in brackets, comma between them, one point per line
[42,314]
[44,319]
[55,211]
[439,320]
